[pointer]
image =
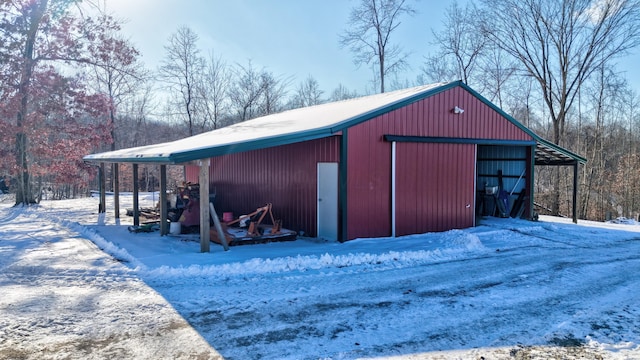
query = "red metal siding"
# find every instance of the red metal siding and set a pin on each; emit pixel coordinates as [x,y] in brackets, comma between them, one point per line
[433,117]
[369,156]
[368,184]
[191,173]
[285,176]
[434,187]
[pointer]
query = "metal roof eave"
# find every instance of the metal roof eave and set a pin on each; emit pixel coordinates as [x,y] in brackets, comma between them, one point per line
[313,134]
[132,160]
[570,156]
[393,106]
[257,144]
[551,148]
[204,153]
[450,140]
[97,158]
[555,155]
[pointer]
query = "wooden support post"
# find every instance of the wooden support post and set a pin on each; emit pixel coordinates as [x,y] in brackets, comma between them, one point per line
[164,226]
[103,196]
[136,191]
[203,179]
[116,189]
[216,222]
[575,193]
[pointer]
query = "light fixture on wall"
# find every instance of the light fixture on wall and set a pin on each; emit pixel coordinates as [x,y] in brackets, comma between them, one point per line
[457,110]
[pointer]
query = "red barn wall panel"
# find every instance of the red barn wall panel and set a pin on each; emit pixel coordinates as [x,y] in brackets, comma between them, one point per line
[434,187]
[191,173]
[285,176]
[369,156]
[368,181]
[433,117]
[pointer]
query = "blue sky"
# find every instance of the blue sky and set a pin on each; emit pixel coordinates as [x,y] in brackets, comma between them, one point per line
[288,37]
[292,38]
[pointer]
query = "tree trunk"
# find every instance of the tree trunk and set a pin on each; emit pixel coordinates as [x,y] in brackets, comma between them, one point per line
[382,71]
[24,194]
[555,196]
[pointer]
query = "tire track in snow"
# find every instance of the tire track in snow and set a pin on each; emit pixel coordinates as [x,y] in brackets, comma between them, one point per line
[523,310]
[64,298]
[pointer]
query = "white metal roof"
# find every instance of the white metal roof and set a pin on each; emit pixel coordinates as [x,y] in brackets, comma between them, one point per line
[275,129]
[307,123]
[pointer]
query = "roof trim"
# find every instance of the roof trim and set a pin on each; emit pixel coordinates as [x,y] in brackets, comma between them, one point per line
[448,140]
[566,157]
[203,153]
[545,154]
[145,154]
[265,142]
[548,147]
[393,106]
[257,144]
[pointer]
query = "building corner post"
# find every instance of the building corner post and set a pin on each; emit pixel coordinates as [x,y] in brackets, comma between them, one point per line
[343,234]
[393,189]
[531,184]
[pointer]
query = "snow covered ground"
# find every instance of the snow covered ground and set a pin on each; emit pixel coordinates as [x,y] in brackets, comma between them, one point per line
[74,285]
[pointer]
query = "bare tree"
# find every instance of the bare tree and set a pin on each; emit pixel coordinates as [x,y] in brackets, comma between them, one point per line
[246,91]
[117,72]
[560,44]
[436,69]
[256,92]
[371,24]
[605,91]
[181,70]
[214,90]
[460,45]
[308,93]
[133,130]
[273,94]
[498,69]
[342,93]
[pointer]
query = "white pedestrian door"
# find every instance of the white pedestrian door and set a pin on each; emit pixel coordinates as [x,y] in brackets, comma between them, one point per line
[328,201]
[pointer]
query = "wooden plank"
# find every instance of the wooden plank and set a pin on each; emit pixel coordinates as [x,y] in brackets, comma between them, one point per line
[574,204]
[103,195]
[136,193]
[116,190]
[218,226]
[164,226]
[203,178]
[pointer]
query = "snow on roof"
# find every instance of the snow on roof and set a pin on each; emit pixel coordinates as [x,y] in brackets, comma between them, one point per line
[276,129]
[308,123]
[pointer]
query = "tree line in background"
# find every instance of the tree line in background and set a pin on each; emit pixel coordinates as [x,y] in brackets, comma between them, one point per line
[552,65]
[72,84]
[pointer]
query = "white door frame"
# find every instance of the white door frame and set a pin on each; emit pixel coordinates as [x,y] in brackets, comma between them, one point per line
[327,200]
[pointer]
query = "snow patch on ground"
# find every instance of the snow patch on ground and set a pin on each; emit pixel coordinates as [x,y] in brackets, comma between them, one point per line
[79,285]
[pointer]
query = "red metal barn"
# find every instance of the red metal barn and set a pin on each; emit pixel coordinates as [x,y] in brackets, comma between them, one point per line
[404,162]
[412,166]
